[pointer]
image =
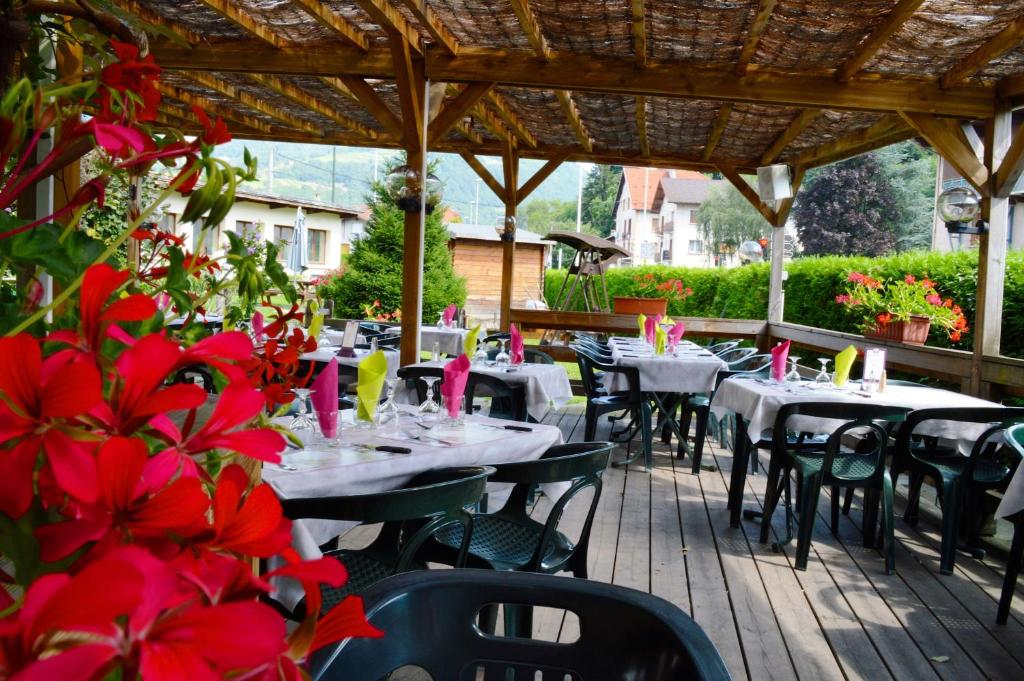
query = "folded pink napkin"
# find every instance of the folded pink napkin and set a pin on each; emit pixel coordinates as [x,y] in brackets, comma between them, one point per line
[257,325]
[649,325]
[448,315]
[325,397]
[657,318]
[675,334]
[780,353]
[453,385]
[517,355]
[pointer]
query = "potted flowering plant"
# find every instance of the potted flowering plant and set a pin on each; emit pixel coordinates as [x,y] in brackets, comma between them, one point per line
[902,310]
[654,298]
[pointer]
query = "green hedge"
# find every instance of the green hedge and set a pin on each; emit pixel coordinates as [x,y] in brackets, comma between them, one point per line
[813,283]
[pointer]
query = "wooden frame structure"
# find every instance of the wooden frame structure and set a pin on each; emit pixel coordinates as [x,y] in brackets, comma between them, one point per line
[651,83]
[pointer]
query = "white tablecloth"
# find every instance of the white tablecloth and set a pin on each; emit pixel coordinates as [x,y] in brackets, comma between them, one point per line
[325,354]
[759,401]
[691,370]
[450,341]
[546,384]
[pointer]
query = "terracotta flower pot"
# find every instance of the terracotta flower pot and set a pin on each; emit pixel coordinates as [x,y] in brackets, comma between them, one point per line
[647,306]
[913,332]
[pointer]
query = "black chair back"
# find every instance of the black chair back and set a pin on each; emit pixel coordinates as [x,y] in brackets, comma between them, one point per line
[508,401]
[413,377]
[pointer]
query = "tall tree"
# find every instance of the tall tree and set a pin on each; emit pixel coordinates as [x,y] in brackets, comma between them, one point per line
[599,191]
[848,208]
[725,216]
[910,169]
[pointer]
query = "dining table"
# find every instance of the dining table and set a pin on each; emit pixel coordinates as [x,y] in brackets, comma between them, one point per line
[546,385]
[450,340]
[689,368]
[756,402]
[357,466]
[325,353]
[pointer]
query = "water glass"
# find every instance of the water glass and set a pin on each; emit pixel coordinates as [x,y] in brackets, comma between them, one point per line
[330,427]
[389,411]
[436,352]
[793,377]
[502,358]
[372,422]
[302,425]
[453,410]
[823,379]
[480,356]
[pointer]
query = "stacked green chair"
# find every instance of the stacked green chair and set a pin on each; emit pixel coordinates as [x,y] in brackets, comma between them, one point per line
[1014,436]
[835,466]
[631,400]
[508,401]
[960,480]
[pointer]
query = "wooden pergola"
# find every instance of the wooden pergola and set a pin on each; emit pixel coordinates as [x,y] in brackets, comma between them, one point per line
[665,83]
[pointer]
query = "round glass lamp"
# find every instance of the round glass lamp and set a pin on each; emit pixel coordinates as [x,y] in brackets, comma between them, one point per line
[403,186]
[506,228]
[959,207]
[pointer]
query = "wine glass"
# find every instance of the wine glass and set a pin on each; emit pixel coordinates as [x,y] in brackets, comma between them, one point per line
[793,377]
[389,411]
[440,321]
[302,425]
[480,356]
[429,411]
[502,359]
[823,379]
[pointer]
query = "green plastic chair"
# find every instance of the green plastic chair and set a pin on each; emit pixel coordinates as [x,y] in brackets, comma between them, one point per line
[600,402]
[836,466]
[960,480]
[508,400]
[410,515]
[530,356]
[1014,436]
[429,620]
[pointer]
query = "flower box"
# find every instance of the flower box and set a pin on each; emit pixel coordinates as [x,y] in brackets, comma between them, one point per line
[912,332]
[648,306]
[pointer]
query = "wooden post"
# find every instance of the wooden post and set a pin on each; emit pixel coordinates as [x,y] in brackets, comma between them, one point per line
[510,163]
[776,296]
[991,252]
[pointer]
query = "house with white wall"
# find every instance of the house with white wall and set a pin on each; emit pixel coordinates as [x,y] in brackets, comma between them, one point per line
[675,204]
[330,229]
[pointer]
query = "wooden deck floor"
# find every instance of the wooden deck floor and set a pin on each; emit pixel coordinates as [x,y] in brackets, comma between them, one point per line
[668,533]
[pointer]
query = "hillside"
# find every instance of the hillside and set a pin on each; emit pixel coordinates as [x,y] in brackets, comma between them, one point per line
[304,171]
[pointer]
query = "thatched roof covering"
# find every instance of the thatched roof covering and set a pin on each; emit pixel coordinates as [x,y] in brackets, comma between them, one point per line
[670,83]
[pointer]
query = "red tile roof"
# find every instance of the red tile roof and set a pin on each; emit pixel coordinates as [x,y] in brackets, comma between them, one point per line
[635,178]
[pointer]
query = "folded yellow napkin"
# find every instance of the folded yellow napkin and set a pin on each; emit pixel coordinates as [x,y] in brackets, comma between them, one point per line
[667,320]
[371,379]
[660,339]
[470,344]
[315,326]
[641,321]
[844,362]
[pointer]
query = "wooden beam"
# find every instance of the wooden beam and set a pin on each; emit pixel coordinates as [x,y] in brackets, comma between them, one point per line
[510,167]
[491,122]
[149,16]
[874,42]
[429,21]
[947,139]
[717,128]
[364,93]
[998,45]
[641,125]
[390,19]
[639,25]
[537,179]
[456,110]
[1011,167]
[214,109]
[409,77]
[483,173]
[467,131]
[764,13]
[322,12]
[254,103]
[566,71]
[531,28]
[310,102]
[973,138]
[505,113]
[845,146]
[240,18]
[747,191]
[572,114]
[792,131]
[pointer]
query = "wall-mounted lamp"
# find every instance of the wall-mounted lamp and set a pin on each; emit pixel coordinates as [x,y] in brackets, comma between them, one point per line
[960,208]
[506,228]
[403,186]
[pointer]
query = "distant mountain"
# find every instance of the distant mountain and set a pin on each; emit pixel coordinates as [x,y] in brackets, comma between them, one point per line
[304,171]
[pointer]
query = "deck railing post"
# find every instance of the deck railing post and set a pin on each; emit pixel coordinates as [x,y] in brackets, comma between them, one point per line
[510,165]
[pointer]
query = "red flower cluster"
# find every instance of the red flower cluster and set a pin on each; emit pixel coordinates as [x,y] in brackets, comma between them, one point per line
[858,278]
[129,74]
[275,367]
[671,288]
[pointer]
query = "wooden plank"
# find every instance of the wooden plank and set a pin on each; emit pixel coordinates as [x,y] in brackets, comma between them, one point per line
[632,558]
[542,173]
[149,16]
[946,139]
[433,25]
[572,114]
[484,174]
[826,153]
[998,45]
[214,108]
[510,166]
[364,93]
[409,77]
[668,555]
[243,20]
[747,191]
[337,23]
[528,22]
[638,23]
[874,42]
[456,110]
[1011,167]
[389,18]
[255,103]
[626,323]
[793,130]
[764,13]
[505,113]
[641,125]
[308,101]
[717,128]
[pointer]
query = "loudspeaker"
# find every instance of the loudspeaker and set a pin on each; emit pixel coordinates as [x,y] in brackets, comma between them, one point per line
[773,183]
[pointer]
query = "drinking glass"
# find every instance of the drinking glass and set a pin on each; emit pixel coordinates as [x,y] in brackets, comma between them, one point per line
[302,421]
[330,428]
[823,379]
[440,321]
[429,405]
[460,411]
[480,356]
[502,359]
[793,377]
[389,411]
[436,352]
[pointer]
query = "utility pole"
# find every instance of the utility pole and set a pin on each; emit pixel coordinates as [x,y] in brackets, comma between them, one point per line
[334,166]
[270,172]
[579,204]
[476,204]
[375,165]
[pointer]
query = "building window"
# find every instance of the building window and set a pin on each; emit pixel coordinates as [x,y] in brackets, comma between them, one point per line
[695,247]
[249,231]
[169,223]
[693,216]
[283,240]
[317,252]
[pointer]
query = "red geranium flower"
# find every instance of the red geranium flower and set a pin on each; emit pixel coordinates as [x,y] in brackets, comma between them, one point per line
[130,74]
[883,318]
[248,524]
[215,133]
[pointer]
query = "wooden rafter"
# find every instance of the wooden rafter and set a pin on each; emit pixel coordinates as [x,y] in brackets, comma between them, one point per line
[792,131]
[639,26]
[948,140]
[1011,167]
[384,13]
[308,101]
[566,71]
[232,116]
[410,79]
[466,130]
[717,128]
[764,13]
[730,173]
[483,174]
[364,93]
[543,173]
[334,21]
[874,42]
[572,114]
[151,17]
[998,45]
[531,28]
[490,121]
[456,110]
[886,131]
[511,120]
[641,125]
[432,25]
[254,103]
[243,20]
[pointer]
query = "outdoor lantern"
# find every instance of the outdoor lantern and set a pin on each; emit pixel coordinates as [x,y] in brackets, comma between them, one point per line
[506,228]
[750,252]
[960,209]
[403,186]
